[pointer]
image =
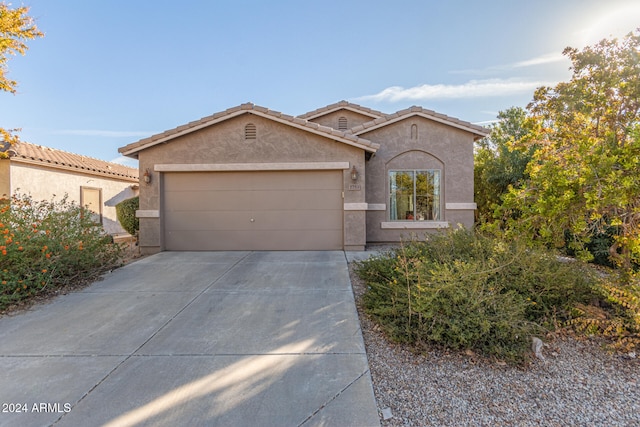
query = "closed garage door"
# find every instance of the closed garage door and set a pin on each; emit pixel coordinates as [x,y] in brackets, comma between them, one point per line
[275,210]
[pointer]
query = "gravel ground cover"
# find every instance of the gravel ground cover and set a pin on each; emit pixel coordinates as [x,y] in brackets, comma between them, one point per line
[578,384]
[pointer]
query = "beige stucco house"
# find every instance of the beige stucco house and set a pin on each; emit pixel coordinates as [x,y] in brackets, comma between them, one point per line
[339,177]
[46,173]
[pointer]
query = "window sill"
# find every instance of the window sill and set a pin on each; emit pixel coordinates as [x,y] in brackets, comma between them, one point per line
[404,225]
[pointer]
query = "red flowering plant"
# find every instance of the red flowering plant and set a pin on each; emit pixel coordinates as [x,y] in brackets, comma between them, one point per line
[49,244]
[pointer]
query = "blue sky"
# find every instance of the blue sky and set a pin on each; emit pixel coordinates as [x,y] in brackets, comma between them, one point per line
[108,73]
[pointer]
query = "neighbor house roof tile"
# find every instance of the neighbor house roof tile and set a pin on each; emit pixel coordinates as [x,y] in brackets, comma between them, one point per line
[54,158]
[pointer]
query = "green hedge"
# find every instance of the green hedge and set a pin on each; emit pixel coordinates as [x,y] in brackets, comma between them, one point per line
[126,214]
[468,291]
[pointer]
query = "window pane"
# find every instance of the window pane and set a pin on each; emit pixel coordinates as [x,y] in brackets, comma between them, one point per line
[401,203]
[436,195]
[428,195]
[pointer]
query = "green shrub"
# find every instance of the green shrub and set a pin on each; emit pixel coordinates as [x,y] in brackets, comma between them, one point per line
[47,244]
[126,214]
[469,291]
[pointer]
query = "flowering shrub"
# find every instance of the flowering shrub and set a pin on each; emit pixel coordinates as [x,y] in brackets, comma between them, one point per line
[48,244]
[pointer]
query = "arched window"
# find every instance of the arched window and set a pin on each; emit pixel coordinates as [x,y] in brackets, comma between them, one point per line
[250,131]
[342,123]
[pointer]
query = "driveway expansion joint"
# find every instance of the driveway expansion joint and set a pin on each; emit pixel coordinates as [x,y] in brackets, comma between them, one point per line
[328,402]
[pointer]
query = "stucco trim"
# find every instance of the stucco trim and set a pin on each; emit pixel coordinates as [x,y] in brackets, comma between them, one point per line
[151,213]
[415,225]
[460,206]
[239,167]
[377,207]
[355,206]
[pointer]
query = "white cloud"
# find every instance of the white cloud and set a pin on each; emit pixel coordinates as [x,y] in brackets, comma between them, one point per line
[547,58]
[103,133]
[470,89]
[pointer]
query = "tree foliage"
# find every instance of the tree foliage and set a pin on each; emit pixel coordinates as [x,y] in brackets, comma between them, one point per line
[16,28]
[501,159]
[583,177]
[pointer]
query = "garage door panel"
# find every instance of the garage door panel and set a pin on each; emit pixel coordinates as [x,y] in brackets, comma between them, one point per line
[260,240]
[292,210]
[311,180]
[210,240]
[207,200]
[302,221]
[206,181]
[241,220]
[296,200]
[232,220]
[308,241]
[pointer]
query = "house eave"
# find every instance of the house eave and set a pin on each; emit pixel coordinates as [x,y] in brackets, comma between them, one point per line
[348,108]
[297,123]
[371,126]
[68,168]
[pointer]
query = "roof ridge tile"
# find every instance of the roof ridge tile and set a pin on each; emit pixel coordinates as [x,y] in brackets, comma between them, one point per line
[338,105]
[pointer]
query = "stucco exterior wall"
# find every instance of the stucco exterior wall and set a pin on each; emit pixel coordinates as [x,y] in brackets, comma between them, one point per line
[225,143]
[353,119]
[433,146]
[43,183]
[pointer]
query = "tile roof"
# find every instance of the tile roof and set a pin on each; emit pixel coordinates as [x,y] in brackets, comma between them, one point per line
[53,158]
[132,149]
[387,119]
[339,106]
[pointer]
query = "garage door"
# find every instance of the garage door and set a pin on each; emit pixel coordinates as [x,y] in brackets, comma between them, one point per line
[274,210]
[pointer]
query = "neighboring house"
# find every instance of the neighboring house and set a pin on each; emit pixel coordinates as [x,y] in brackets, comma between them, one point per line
[45,173]
[336,178]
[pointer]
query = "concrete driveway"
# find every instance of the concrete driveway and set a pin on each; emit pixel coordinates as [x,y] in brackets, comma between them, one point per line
[194,339]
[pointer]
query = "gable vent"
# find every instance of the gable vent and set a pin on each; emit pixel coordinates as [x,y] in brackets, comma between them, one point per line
[250,131]
[342,123]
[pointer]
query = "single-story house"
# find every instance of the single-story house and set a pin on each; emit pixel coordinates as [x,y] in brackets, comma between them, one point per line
[46,173]
[336,178]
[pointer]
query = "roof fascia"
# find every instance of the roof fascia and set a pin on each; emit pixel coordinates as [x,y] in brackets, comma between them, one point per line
[426,116]
[48,165]
[371,148]
[343,107]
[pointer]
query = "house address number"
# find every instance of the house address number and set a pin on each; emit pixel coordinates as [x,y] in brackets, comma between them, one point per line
[354,187]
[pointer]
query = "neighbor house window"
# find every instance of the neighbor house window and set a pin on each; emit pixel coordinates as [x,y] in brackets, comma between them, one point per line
[414,195]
